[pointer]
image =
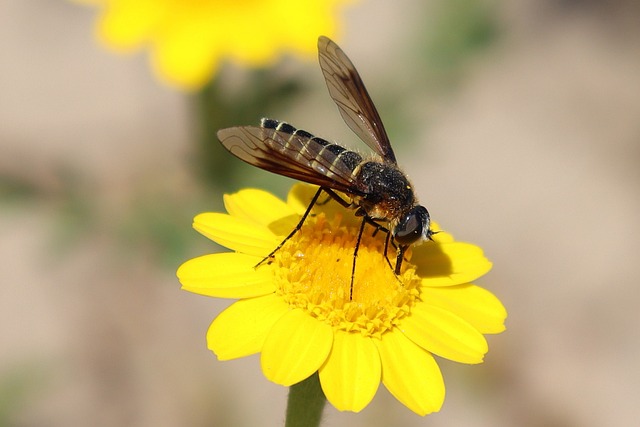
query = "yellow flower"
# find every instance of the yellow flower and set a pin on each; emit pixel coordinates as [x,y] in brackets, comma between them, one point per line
[296,311]
[187,39]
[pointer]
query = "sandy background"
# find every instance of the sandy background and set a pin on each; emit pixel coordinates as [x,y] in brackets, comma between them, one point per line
[531,153]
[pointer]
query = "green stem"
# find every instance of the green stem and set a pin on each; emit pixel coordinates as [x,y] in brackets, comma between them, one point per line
[305,403]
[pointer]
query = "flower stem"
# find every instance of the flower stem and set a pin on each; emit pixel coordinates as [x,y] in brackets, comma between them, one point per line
[305,403]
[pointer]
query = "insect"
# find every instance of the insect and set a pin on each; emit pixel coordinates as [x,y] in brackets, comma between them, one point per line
[376,188]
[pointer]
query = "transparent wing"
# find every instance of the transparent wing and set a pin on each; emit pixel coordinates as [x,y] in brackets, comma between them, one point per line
[295,156]
[351,97]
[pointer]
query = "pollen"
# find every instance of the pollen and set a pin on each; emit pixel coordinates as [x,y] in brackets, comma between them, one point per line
[313,272]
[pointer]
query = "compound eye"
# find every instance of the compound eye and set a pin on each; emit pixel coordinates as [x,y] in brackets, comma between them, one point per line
[410,228]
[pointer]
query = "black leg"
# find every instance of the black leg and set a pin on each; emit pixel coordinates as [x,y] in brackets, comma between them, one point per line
[355,255]
[399,258]
[325,201]
[386,240]
[295,230]
[386,248]
[376,225]
[337,198]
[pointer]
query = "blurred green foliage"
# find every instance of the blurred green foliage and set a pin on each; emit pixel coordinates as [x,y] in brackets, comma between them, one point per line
[158,229]
[13,189]
[262,92]
[461,30]
[18,388]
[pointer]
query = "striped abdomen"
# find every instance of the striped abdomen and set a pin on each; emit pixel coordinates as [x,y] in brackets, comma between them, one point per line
[324,157]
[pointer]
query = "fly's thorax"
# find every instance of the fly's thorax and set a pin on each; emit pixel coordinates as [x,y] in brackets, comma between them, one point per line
[387,191]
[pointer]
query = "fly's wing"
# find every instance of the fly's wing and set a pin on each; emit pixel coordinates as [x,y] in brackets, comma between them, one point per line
[296,156]
[351,97]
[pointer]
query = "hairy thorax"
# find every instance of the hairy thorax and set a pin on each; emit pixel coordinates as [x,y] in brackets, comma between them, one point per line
[388,191]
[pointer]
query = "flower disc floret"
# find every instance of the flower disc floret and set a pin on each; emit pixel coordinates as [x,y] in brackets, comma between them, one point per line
[313,272]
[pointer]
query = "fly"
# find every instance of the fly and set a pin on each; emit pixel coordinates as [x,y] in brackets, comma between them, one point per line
[376,188]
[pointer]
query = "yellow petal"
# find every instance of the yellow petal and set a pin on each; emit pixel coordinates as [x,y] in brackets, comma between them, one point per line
[295,348]
[410,373]
[443,333]
[474,304]
[226,275]
[186,62]
[241,329]
[257,206]
[186,48]
[235,233]
[449,264]
[351,375]
[189,39]
[127,25]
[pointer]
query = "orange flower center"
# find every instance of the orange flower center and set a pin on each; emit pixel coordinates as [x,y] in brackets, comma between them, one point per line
[314,270]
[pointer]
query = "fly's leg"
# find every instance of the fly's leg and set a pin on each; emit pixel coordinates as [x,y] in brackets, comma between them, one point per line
[355,256]
[296,229]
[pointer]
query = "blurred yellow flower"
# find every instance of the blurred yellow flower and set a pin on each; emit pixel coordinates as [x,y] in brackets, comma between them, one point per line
[187,39]
[297,313]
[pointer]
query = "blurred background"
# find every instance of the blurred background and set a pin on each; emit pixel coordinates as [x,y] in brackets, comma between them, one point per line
[519,123]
